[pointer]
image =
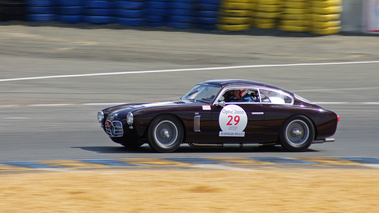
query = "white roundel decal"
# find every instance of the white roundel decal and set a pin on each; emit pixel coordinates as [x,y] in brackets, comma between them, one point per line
[232,121]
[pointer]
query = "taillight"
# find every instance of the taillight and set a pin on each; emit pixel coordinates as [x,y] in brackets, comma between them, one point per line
[338,118]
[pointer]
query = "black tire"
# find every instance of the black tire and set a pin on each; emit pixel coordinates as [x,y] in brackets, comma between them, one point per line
[165,133]
[297,134]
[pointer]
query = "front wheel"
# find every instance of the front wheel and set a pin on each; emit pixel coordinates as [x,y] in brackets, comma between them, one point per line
[165,133]
[297,134]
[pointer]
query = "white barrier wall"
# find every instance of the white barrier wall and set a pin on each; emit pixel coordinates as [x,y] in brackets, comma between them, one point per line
[371,16]
[360,16]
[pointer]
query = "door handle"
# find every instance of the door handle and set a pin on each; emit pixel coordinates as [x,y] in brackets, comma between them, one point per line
[257,113]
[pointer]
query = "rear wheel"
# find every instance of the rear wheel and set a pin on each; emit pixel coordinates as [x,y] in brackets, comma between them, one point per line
[165,134]
[297,133]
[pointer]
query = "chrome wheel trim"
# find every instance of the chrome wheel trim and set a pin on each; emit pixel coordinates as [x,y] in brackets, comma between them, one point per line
[297,133]
[166,133]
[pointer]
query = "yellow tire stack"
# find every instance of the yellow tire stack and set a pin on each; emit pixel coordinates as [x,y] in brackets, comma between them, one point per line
[252,11]
[235,15]
[325,16]
[295,16]
[266,13]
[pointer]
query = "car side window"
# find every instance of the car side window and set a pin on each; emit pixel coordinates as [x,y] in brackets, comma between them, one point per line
[240,95]
[268,96]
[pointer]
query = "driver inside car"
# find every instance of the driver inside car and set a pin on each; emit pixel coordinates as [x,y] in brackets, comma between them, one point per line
[239,96]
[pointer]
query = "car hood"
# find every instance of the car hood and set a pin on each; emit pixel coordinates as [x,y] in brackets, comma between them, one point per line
[138,106]
[156,104]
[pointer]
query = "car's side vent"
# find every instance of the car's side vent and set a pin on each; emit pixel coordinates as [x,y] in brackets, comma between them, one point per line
[196,123]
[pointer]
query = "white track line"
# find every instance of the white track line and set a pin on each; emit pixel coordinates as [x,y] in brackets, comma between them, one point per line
[49,105]
[102,104]
[339,89]
[114,104]
[185,70]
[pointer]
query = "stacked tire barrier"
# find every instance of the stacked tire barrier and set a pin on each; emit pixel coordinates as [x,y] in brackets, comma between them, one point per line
[207,16]
[266,13]
[321,17]
[12,10]
[131,12]
[182,14]
[325,16]
[235,15]
[295,16]
[253,7]
[100,11]
[157,13]
[71,11]
[41,10]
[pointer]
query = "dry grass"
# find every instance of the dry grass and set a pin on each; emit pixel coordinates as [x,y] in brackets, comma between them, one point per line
[192,191]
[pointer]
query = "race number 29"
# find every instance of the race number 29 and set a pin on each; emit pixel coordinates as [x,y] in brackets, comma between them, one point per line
[232,121]
[236,119]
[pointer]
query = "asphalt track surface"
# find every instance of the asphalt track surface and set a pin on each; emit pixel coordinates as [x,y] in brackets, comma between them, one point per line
[54,79]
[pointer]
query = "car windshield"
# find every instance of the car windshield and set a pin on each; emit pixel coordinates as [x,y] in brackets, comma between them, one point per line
[203,93]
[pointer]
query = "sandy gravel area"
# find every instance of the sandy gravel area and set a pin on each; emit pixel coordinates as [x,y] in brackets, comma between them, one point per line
[315,190]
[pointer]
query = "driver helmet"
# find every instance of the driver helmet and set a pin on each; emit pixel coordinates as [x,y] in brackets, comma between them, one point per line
[243,92]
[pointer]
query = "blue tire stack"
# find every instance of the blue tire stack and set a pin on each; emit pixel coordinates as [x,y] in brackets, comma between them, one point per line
[41,10]
[182,14]
[100,11]
[207,14]
[71,11]
[157,13]
[131,12]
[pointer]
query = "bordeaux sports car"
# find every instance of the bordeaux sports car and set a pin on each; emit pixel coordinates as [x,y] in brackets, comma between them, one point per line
[220,112]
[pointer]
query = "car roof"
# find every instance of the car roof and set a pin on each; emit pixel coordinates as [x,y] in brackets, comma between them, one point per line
[239,82]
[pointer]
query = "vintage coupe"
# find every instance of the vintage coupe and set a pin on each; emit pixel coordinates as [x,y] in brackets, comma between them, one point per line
[219,113]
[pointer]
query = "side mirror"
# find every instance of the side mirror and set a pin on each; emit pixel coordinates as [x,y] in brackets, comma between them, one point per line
[220,103]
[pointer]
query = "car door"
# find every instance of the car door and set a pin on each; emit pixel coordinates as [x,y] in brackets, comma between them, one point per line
[238,122]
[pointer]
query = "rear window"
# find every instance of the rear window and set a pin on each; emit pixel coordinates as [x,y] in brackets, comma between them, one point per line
[275,97]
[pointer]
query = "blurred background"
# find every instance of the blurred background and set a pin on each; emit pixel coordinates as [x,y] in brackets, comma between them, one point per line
[320,17]
[61,61]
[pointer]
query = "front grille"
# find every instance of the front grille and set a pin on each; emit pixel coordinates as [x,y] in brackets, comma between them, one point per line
[114,128]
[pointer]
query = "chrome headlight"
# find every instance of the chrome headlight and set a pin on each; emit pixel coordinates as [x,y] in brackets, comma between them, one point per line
[129,118]
[100,116]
